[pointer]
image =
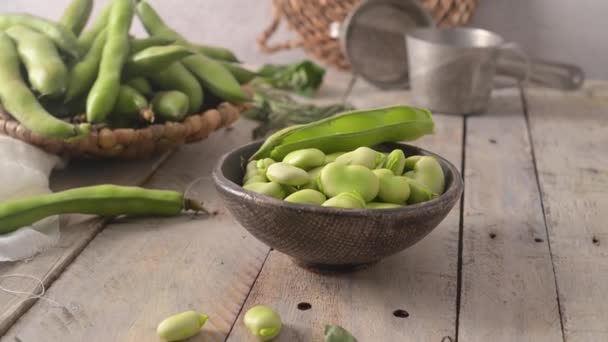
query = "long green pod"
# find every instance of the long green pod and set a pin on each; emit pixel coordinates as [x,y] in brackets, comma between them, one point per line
[132,105]
[103,200]
[46,71]
[76,15]
[86,38]
[62,37]
[155,25]
[103,94]
[170,105]
[177,77]
[142,85]
[211,73]
[82,75]
[241,74]
[216,78]
[139,44]
[21,103]
[349,130]
[154,59]
[215,52]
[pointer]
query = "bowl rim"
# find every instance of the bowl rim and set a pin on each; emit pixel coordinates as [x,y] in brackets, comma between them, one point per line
[454,191]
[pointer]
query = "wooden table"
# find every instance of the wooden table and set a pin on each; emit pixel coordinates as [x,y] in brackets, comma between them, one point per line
[524,257]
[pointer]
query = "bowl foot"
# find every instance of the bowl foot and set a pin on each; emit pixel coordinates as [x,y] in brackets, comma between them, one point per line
[332,268]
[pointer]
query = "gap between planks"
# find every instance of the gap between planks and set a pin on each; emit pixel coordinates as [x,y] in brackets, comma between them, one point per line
[461,228]
[569,130]
[507,290]
[522,93]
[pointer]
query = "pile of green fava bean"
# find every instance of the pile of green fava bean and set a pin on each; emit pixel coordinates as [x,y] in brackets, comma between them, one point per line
[362,178]
[103,75]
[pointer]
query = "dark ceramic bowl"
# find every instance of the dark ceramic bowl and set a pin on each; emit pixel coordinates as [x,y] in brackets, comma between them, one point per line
[332,239]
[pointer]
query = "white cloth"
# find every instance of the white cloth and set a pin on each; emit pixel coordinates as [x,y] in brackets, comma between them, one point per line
[25,171]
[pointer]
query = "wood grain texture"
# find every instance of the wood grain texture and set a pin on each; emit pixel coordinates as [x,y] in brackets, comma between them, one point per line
[508,285]
[420,280]
[76,232]
[570,138]
[138,271]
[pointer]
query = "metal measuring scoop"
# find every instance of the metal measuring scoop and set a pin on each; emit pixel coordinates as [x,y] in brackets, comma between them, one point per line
[372,39]
[452,70]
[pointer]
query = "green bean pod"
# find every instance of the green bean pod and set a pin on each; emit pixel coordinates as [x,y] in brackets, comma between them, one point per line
[86,38]
[139,44]
[216,52]
[212,74]
[21,103]
[170,105]
[45,69]
[76,15]
[102,200]
[349,130]
[103,95]
[216,78]
[62,37]
[132,105]
[177,77]
[154,59]
[82,76]
[154,25]
[142,85]
[241,74]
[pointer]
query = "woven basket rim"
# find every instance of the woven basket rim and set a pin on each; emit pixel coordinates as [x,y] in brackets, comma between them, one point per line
[129,143]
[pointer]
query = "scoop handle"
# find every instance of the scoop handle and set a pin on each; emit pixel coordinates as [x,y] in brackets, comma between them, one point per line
[547,73]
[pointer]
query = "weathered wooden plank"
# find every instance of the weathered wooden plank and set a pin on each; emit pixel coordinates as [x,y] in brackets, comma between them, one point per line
[76,231]
[508,287]
[570,139]
[138,271]
[421,280]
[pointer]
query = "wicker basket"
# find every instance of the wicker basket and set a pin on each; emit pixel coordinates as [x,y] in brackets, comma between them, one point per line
[311,19]
[128,143]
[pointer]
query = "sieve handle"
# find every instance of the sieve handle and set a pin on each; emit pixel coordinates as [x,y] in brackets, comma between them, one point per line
[548,73]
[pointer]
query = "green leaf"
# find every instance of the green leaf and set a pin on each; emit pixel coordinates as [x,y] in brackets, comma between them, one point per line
[304,77]
[335,333]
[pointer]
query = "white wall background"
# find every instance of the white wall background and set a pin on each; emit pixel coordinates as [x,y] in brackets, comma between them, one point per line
[574,31]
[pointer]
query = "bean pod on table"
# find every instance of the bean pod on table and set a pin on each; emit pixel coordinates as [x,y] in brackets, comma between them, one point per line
[102,200]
